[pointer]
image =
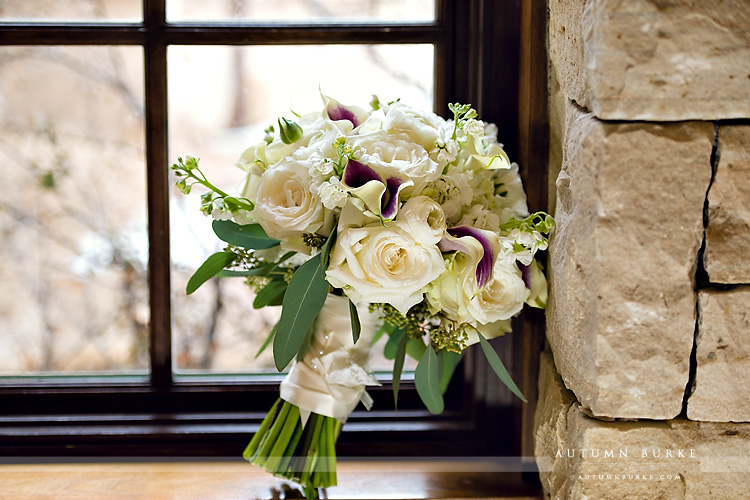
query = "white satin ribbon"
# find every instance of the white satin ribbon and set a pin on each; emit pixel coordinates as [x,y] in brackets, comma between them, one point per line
[330,380]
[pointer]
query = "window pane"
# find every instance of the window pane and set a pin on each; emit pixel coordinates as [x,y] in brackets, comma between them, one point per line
[220,101]
[399,11]
[73,248]
[71,10]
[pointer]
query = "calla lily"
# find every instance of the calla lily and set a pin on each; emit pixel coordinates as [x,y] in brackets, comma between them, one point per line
[455,239]
[337,111]
[381,196]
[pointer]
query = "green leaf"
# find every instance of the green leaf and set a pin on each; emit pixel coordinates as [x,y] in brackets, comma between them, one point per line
[270,295]
[499,368]
[246,236]
[325,251]
[303,300]
[384,328]
[398,367]
[389,351]
[268,340]
[448,363]
[306,342]
[427,382]
[415,348]
[354,318]
[209,269]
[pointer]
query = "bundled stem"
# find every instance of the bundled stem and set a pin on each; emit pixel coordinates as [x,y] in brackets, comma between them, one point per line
[305,454]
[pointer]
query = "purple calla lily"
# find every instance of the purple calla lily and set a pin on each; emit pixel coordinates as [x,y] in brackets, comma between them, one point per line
[358,174]
[526,274]
[338,112]
[486,263]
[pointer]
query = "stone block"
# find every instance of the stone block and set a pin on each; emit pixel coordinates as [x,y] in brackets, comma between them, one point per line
[657,60]
[581,457]
[721,387]
[726,258]
[621,315]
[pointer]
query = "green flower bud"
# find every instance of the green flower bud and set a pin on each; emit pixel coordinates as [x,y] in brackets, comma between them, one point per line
[289,130]
[183,186]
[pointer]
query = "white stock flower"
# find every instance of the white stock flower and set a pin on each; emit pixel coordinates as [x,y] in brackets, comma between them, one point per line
[331,193]
[478,216]
[286,207]
[453,193]
[509,192]
[523,245]
[383,264]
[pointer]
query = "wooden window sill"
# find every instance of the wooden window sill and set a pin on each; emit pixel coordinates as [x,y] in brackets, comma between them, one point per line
[209,480]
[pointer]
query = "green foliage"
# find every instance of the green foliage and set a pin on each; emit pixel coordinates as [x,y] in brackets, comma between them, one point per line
[209,269]
[499,368]
[427,382]
[354,318]
[249,236]
[188,174]
[539,221]
[303,300]
[398,367]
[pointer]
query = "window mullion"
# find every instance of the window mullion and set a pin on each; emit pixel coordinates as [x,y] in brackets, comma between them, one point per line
[158,193]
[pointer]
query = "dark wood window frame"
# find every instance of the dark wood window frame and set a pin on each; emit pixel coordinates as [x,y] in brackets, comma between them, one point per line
[488,53]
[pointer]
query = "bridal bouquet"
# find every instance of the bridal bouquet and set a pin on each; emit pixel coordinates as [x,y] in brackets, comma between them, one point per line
[362,223]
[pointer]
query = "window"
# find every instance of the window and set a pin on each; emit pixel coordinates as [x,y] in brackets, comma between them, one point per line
[145,395]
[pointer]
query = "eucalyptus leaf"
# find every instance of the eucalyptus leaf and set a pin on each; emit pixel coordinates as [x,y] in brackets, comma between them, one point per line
[250,236]
[210,268]
[325,252]
[384,328]
[415,348]
[303,300]
[448,363]
[270,295]
[427,382]
[499,368]
[389,351]
[398,367]
[354,318]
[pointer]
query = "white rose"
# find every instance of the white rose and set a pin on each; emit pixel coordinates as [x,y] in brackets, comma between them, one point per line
[286,207]
[456,291]
[383,264]
[395,154]
[502,297]
[422,127]
[425,219]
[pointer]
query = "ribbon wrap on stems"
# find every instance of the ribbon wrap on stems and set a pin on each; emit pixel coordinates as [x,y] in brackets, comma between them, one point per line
[331,377]
[297,439]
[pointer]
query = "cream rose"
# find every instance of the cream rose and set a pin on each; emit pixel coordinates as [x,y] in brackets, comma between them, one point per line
[423,128]
[502,297]
[425,219]
[383,264]
[286,207]
[395,154]
[457,293]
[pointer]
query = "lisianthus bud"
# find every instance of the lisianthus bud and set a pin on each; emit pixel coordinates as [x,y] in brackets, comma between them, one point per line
[289,130]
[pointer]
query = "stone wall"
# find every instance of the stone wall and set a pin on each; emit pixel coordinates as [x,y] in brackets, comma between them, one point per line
[648,326]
